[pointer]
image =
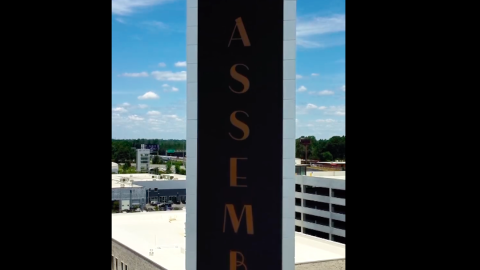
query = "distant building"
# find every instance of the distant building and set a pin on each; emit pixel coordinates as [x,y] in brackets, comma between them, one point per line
[161,188]
[125,191]
[143,159]
[114,167]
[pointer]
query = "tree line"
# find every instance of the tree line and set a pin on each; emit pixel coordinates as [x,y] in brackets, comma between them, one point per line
[321,149]
[123,150]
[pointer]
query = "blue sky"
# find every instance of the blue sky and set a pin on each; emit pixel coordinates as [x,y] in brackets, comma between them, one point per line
[149,70]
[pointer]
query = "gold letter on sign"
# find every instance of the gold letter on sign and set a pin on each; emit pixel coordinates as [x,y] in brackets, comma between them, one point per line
[233,260]
[239,77]
[242,31]
[240,125]
[236,221]
[233,172]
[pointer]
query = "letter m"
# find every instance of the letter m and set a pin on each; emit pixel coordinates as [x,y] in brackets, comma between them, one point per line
[230,209]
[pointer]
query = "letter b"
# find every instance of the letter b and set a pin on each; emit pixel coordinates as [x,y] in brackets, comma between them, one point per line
[235,263]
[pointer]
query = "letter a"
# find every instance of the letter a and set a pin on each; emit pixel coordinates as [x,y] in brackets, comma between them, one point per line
[242,31]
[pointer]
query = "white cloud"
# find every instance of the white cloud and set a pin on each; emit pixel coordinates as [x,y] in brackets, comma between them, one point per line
[315,26]
[169,120]
[135,75]
[156,24]
[153,113]
[119,109]
[135,117]
[142,106]
[127,7]
[335,110]
[149,95]
[343,89]
[299,76]
[120,20]
[325,121]
[167,88]
[181,64]
[170,76]
[173,117]
[125,104]
[162,64]
[315,74]
[306,109]
[322,93]
[302,89]
[325,92]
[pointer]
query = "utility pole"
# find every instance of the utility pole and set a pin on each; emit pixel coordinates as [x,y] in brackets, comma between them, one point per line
[306,142]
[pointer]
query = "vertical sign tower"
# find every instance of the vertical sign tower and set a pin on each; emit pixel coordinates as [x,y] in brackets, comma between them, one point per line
[240,134]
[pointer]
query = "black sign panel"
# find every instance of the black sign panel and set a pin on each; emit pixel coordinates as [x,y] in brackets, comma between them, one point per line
[239,147]
[153,147]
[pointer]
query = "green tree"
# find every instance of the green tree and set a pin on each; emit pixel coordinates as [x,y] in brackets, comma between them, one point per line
[177,168]
[126,166]
[326,156]
[156,160]
[169,167]
[183,172]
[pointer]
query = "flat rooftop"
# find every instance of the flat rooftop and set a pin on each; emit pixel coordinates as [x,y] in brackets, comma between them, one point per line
[116,184]
[155,230]
[148,176]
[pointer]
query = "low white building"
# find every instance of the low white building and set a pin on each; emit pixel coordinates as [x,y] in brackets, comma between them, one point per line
[114,167]
[156,240]
[123,189]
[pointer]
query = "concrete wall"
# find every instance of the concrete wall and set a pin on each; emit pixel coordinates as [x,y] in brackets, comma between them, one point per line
[163,184]
[132,259]
[135,261]
[324,265]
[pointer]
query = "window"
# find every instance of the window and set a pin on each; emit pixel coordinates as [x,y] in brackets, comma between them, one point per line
[338,209]
[126,267]
[298,188]
[338,238]
[316,190]
[298,229]
[338,193]
[298,215]
[112,263]
[121,265]
[300,170]
[316,205]
[116,263]
[338,224]
[162,199]
[316,233]
[316,219]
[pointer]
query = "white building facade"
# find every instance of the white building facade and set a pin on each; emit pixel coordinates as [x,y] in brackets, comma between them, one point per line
[143,160]
[320,205]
